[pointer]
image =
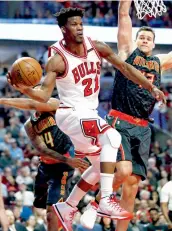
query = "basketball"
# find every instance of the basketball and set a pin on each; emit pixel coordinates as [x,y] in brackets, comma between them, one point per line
[26,71]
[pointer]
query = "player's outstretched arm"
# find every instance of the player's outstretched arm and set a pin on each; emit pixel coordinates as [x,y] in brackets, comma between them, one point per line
[29,104]
[40,145]
[166,61]
[54,68]
[128,70]
[125,43]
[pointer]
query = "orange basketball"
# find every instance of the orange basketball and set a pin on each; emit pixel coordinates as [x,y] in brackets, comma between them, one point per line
[26,71]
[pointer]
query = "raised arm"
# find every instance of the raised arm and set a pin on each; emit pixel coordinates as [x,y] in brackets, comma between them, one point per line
[166,61]
[125,43]
[127,70]
[29,104]
[55,67]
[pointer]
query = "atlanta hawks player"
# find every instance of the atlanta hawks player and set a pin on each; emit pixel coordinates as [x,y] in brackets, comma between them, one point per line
[75,68]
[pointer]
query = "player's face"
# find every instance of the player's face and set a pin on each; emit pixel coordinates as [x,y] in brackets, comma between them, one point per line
[145,42]
[74,29]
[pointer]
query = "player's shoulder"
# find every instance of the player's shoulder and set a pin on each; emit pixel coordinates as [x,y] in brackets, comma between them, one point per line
[56,63]
[55,57]
[54,53]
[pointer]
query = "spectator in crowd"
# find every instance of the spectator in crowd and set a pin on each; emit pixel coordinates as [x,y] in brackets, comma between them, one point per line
[17,226]
[15,151]
[143,221]
[14,127]
[107,224]
[30,223]
[5,144]
[6,159]
[27,197]
[133,226]
[43,225]
[7,178]
[17,212]
[155,223]
[24,176]
[3,130]
[101,13]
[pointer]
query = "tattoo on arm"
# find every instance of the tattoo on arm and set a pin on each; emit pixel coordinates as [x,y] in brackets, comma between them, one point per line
[38,142]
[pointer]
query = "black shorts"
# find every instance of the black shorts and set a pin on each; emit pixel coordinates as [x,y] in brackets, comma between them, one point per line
[170,215]
[135,144]
[52,184]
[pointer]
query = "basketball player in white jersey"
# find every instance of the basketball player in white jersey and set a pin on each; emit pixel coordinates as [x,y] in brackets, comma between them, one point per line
[75,69]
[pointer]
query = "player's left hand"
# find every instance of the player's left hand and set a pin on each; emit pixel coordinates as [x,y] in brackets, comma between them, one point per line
[77,163]
[158,95]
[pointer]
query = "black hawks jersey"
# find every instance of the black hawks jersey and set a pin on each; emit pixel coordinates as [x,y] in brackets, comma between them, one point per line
[44,124]
[131,98]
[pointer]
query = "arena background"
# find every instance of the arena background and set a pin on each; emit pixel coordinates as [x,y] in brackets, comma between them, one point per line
[27,28]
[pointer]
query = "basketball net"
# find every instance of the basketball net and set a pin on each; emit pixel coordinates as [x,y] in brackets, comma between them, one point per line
[149,7]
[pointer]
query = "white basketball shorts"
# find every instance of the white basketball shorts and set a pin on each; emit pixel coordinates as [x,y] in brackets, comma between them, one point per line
[83,126]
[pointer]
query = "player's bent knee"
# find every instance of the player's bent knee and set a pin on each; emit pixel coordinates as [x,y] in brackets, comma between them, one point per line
[124,169]
[110,142]
[112,137]
[130,187]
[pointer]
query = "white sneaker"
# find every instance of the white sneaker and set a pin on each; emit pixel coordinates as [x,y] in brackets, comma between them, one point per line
[109,206]
[88,218]
[66,214]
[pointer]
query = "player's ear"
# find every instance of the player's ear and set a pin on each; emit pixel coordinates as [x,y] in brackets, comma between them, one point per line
[63,29]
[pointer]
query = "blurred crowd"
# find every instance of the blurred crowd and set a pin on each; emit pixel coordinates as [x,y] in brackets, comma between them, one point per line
[18,167]
[100,13]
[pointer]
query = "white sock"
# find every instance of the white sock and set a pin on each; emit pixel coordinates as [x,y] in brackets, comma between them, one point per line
[90,176]
[106,182]
[75,196]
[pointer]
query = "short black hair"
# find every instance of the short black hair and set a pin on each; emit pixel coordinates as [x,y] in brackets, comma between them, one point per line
[65,13]
[154,209]
[146,28]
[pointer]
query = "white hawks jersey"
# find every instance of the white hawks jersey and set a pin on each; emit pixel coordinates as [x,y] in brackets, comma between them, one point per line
[80,84]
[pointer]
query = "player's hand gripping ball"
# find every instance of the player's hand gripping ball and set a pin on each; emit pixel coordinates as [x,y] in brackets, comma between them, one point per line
[26,71]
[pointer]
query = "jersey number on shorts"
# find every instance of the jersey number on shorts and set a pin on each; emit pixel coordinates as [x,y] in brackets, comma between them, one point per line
[89,89]
[149,76]
[48,139]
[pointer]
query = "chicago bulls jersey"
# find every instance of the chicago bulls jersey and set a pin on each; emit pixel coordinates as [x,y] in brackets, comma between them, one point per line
[80,84]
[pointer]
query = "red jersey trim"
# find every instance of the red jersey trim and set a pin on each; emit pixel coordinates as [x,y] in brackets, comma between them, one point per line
[49,52]
[77,56]
[65,61]
[97,53]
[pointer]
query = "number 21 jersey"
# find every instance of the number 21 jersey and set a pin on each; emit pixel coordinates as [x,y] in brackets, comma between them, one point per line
[80,84]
